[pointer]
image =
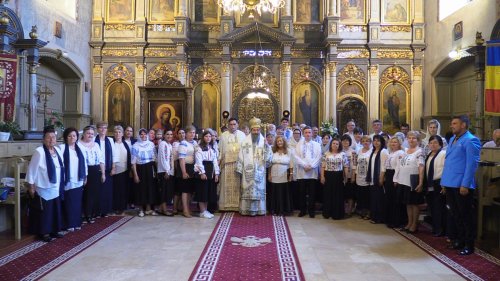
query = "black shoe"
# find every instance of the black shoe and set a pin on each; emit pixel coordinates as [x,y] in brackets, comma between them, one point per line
[47,238]
[301,214]
[455,245]
[466,251]
[312,216]
[326,217]
[57,235]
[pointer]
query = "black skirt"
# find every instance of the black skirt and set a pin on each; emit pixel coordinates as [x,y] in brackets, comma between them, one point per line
[411,197]
[281,199]
[120,191]
[165,188]
[333,200]
[146,192]
[91,194]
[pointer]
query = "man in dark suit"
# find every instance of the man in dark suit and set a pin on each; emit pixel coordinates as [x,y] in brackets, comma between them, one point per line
[462,159]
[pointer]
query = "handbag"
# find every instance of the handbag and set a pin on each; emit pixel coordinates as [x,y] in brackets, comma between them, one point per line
[414,181]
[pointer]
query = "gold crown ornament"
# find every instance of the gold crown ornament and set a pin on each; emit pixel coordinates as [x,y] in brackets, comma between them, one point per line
[255,123]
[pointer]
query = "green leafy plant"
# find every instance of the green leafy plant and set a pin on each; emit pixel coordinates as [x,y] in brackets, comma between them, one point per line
[10,127]
[54,119]
[328,127]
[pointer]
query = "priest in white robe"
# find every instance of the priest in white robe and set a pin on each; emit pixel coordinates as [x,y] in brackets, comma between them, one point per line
[252,160]
[229,180]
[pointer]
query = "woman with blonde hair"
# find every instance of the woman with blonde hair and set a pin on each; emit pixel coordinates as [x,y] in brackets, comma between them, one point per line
[409,176]
[433,129]
[395,210]
[361,170]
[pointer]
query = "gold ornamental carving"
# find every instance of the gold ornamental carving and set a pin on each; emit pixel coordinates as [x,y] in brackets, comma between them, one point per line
[119,27]
[287,27]
[245,81]
[308,73]
[205,73]
[373,70]
[119,71]
[352,28]
[395,74]
[286,66]
[97,68]
[302,53]
[140,67]
[226,66]
[226,27]
[263,108]
[351,73]
[308,27]
[119,52]
[333,28]
[395,28]
[205,53]
[162,75]
[332,66]
[353,53]
[161,27]
[180,28]
[417,70]
[395,54]
[160,52]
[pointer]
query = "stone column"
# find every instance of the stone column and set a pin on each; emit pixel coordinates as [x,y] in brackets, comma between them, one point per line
[333,90]
[287,10]
[226,87]
[32,94]
[332,4]
[189,105]
[97,93]
[326,90]
[417,104]
[182,8]
[373,89]
[181,75]
[286,86]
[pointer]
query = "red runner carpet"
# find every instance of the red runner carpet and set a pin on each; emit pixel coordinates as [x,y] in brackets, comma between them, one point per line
[249,248]
[38,258]
[478,266]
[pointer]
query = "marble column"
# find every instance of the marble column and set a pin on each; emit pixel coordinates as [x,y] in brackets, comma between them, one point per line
[182,8]
[287,10]
[189,105]
[373,94]
[181,75]
[97,93]
[332,4]
[286,86]
[32,94]
[326,90]
[140,78]
[226,88]
[333,91]
[417,104]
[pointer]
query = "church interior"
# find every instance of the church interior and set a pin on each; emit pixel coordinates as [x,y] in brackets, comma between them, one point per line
[73,63]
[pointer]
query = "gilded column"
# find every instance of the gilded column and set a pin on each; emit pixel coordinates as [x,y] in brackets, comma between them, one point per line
[32,94]
[417,94]
[333,91]
[97,93]
[326,90]
[140,78]
[226,88]
[373,96]
[286,86]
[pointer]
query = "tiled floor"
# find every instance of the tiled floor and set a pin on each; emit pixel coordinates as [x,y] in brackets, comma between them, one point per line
[164,248]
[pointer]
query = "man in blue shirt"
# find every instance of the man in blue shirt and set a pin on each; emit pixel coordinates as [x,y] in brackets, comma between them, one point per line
[462,159]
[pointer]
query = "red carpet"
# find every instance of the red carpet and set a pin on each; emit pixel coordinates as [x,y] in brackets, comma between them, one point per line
[478,266]
[36,259]
[249,248]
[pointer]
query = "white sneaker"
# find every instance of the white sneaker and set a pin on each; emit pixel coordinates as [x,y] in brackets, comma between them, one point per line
[141,214]
[210,214]
[206,215]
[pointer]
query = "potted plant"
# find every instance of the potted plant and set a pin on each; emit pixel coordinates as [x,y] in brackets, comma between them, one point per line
[54,120]
[8,128]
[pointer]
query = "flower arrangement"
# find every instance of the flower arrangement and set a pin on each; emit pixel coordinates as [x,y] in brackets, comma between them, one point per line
[54,119]
[328,127]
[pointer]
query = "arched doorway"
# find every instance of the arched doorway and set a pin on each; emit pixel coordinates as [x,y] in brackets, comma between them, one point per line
[351,108]
[256,103]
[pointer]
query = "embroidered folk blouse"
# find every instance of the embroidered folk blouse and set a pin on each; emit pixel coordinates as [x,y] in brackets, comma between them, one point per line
[92,153]
[280,163]
[335,162]
[143,152]
[408,165]
[362,167]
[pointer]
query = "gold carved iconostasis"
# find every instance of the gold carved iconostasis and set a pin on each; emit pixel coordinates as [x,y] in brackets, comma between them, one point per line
[185,37]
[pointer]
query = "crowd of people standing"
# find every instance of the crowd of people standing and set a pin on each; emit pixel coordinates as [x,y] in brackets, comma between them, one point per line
[380,178]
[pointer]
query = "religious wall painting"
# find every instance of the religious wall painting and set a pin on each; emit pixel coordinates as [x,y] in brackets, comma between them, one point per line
[205,105]
[351,89]
[394,106]
[119,107]
[353,11]
[305,109]
[120,11]
[251,16]
[161,11]
[350,108]
[307,11]
[396,11]
[206,11]
[166,115]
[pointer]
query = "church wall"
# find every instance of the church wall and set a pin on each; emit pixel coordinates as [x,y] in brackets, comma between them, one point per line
[479,15]
[73,43]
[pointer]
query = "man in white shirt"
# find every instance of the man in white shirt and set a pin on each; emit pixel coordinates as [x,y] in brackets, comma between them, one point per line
[376,127]
[495,142]
[316,136]
[350,132]
[307,158]
[405,128]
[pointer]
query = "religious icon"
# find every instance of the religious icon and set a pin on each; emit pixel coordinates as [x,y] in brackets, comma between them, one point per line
[206,11]
[306,104]
[161,11]
[166,115]
[394,107]
[307,11]
[205,104]
[119,94]
[352,11]
[120,11]
[395,11]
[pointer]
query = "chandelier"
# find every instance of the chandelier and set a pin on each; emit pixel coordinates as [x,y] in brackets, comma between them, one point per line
[261,6]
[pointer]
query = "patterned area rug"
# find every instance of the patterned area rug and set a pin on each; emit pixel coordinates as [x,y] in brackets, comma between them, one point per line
[249,248]
[478,266]
[38,258]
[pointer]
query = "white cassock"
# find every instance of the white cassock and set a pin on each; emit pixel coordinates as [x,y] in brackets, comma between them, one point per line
[229,180]
[252,161]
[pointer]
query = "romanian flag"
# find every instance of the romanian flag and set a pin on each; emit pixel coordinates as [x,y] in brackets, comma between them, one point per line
[492,79]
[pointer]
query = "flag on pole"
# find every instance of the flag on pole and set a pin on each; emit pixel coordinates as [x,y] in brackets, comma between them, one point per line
[492,79]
